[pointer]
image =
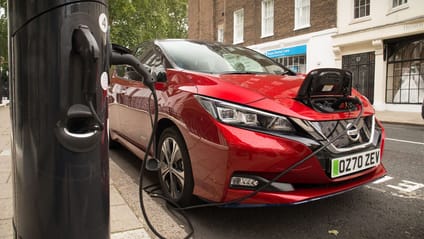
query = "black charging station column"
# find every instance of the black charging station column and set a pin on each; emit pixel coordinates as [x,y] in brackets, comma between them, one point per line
[58,74]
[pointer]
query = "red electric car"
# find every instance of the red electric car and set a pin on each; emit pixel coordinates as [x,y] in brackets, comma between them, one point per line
[232,120]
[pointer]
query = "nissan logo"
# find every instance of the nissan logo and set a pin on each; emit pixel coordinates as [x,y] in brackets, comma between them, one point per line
[352,132]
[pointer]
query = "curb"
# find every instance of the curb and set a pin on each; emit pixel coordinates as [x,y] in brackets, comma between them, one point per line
[401,122]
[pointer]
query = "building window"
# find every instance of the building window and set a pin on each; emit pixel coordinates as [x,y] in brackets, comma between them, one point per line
[238,26]
[295,63]
[399,2]
[220,33]
[361,8]
[302,12]
[267,18]
[405,72]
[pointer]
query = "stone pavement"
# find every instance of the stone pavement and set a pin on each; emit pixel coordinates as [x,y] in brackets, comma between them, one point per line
[411,118]
[123,221]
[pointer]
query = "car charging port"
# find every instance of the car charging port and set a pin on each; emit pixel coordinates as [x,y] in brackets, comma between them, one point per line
[328,90]
[329,105]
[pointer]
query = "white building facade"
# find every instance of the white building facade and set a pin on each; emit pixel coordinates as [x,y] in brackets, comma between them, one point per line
[302,53]
[382,43]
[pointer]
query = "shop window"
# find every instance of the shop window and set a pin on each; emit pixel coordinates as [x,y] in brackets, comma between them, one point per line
[405,72]
[238,26]
[295,63]
[361,8]
[302,10]
[267,18]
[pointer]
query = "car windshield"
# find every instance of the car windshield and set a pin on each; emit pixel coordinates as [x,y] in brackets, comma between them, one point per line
[219,59]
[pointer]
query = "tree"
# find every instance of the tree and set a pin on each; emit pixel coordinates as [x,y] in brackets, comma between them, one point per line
[132,21]
[135,21]
[3,30]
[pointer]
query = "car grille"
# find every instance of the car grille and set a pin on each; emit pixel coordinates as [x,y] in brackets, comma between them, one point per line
[331,129]
[359,135]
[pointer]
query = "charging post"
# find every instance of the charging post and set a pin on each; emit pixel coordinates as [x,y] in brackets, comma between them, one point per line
[59,59]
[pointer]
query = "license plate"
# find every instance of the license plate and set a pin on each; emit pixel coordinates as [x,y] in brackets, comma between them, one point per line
[354,163]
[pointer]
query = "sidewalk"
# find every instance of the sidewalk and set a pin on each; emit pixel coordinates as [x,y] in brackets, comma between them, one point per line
[411,118]
[123,221]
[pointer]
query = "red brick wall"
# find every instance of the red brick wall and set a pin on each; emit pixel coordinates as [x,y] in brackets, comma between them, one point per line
[206,15]
[200,20]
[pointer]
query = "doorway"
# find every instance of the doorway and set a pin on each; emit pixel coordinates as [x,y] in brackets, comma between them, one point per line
[362,66]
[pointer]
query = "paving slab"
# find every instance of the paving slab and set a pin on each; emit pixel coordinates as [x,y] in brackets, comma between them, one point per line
[6,191]
[115,197]
[134,234]
[123,219]
[6,229]
[6,208]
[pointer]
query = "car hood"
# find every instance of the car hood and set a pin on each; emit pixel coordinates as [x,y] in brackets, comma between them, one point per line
[273,93]
[268,86]
[247,88]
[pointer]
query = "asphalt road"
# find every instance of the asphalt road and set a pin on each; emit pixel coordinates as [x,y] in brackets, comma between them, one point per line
[390,208]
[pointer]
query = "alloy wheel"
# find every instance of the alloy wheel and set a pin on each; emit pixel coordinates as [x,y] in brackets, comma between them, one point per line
[172,168]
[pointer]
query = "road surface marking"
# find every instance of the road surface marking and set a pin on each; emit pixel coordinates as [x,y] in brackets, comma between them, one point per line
[407,186]
[400,188]
[382,180]
[405,141]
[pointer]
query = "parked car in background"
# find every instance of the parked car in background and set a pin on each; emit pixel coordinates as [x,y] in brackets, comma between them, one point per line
[231,120]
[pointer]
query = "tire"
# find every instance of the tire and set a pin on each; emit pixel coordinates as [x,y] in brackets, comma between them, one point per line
[175,174]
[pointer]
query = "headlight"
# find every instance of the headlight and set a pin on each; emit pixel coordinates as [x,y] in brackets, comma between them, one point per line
[243,116]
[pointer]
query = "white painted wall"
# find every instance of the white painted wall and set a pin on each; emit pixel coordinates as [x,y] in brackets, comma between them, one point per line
[381,14]
[319,45]
[367,34]
[320,53]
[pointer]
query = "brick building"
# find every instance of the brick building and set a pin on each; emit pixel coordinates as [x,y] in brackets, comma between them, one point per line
[287,30]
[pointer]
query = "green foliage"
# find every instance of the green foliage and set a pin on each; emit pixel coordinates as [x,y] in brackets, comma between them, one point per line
[135,21]
[3,30]
[132,21]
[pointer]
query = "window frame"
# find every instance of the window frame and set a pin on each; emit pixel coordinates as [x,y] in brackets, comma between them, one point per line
[267,18]
[302,14]
[403,82]
[220,33]
[357,7]
[397,3]
[238,27]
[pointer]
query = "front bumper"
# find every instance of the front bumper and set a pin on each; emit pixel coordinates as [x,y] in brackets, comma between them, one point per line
[303,195]
[235,151]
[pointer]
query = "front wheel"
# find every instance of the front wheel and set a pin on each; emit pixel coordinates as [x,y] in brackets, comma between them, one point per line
[175,173]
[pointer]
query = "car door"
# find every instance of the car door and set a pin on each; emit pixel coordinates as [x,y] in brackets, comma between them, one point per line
[129,109]
[135,100]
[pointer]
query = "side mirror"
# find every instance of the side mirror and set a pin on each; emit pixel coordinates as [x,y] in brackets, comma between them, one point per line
[122,56]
